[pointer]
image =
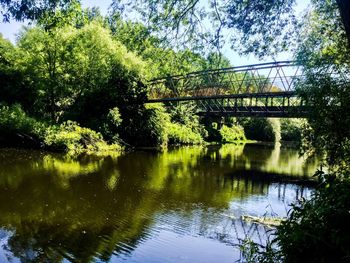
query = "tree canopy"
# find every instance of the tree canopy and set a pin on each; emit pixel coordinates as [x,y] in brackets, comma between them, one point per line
[31,9]
[262,27]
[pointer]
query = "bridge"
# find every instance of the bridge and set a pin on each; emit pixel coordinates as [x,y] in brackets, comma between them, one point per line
[259,90]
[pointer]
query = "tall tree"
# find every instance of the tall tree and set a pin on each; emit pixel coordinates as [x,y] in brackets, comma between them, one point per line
[30,9]
[263,27]
[344,9]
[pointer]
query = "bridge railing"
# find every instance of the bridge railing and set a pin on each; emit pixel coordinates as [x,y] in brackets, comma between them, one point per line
[258,78]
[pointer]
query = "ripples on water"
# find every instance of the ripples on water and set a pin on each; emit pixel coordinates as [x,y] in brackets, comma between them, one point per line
[183,205]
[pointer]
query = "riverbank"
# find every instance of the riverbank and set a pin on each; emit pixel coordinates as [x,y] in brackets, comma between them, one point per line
[17,129]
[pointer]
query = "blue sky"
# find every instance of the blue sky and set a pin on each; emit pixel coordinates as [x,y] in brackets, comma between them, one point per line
[9,31]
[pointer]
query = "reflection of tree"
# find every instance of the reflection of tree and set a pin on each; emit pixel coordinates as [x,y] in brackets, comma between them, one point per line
[80,222]
[278,160]
[92,207]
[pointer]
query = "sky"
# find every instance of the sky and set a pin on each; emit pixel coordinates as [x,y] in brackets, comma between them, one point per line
[9,31]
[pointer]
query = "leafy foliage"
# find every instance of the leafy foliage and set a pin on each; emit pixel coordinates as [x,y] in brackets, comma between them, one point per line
[146,127]
[318,230]
[185,114]
[34,9]
[263,27]
[291,130]
[12,83]
[181,134]
[252,252]
[260,129]
[255,25]
[18,129]
[78,73]
[14,120]
[71,67]
[322,51]
[232,134]
[111,125]
[162,59]
[85,75]
[72,138]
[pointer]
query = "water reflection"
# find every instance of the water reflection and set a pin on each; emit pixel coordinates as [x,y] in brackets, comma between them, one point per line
[140,207]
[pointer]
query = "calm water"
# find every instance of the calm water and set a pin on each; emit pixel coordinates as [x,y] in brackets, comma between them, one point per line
[183,205]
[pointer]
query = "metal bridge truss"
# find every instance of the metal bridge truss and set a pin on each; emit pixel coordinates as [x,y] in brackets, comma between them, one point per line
[260,90]
[277,104]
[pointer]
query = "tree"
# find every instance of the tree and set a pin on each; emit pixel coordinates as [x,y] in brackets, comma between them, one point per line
[257,24]
[317,229]
[261,27]
[32,9]
[13,86]
[43,64]
[322,49]
[344,9]
[79,73]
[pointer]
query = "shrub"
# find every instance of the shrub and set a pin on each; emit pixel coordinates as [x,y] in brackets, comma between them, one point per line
[17,129]
[146,127]
[70,137]
[185,113]
[181,134]
[14,119]
[318,230]
[261,129]
[232,134]
[213,134]
[291,130]
[111,125]
[114,117]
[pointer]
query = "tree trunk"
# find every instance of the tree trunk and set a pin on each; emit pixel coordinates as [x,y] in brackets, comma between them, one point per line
[344,8]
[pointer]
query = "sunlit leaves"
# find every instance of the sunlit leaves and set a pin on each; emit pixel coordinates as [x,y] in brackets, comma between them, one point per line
[261,27]
[323,50]
[65,64]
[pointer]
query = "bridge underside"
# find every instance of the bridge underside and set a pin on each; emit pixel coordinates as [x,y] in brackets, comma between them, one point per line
[272,105]
[256,112]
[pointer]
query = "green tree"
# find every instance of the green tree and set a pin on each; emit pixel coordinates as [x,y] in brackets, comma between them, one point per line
[32,9]
[13,87]
[257,25]
[78,73]
[261,129]
[317,229]
[323,49]
[42,62]
[262,27]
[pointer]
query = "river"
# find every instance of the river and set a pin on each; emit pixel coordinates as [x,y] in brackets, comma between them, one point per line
[181,205]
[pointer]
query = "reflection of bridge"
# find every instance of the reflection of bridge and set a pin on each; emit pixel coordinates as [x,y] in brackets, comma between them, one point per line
[260,90]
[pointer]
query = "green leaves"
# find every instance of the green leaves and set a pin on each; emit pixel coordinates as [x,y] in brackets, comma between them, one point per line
[263,27]
[322,50]
[33,9]
[317,230]
[65,67]
[259,27]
